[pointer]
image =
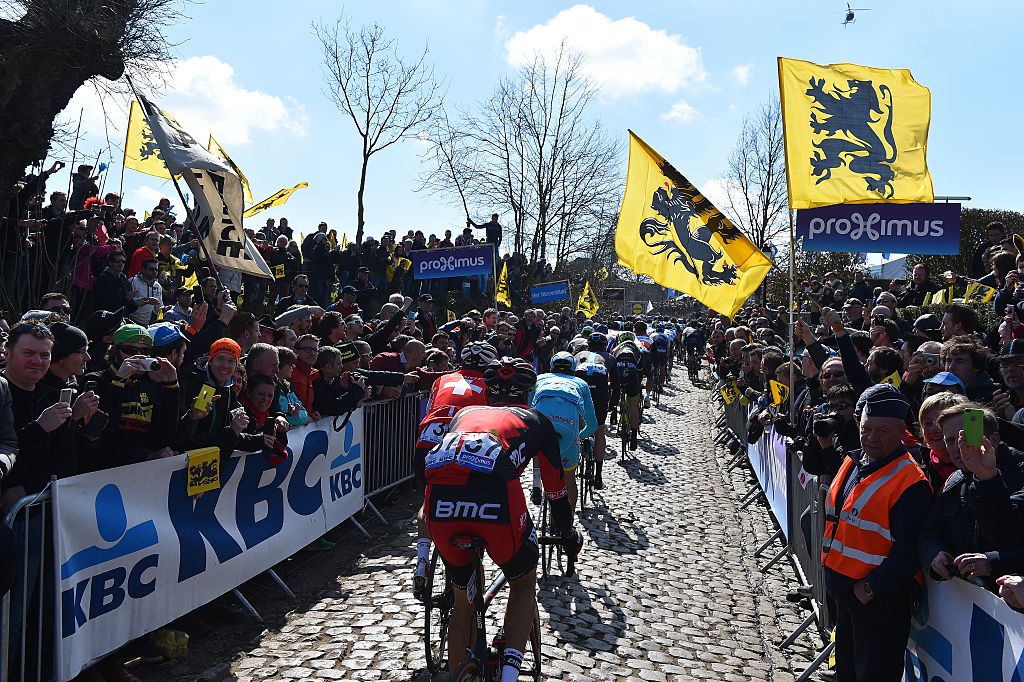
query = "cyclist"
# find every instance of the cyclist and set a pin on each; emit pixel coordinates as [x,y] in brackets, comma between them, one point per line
[661,347]
[449,394]
[640,332]
[579,343]
[630,363]
[594,366]
[566,401]
[695,342]
[473,489]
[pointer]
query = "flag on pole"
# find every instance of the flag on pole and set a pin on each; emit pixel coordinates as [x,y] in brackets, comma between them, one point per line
[854,134]
[344,240]
[587,303]
[141,151]
[221,154]
[217,191]
[649,308]
[278,198]
[779,391]
[501,291]
[668,230]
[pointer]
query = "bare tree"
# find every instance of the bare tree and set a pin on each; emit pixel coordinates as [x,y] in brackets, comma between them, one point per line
[50,48]
[533,151]
[756,177]
[387,97]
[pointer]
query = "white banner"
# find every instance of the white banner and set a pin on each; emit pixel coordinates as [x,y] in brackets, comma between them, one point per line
[963,633]
[134,551]
[768,460]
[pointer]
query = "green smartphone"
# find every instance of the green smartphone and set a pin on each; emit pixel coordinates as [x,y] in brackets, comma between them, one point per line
[974,429]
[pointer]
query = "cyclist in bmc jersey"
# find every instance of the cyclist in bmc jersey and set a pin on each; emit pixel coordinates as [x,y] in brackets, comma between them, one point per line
[595,366]
[449,394]
[473,489]
[566,401]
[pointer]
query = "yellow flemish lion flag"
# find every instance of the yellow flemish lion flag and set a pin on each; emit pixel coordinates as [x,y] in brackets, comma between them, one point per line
[278,198]
[501,291]
[587,303]
[979,293]
[141,151]
[667,229]
[221,154]
[854,134]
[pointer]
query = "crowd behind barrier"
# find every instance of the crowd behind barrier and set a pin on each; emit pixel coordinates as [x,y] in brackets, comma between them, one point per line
[961,632]
[173,553]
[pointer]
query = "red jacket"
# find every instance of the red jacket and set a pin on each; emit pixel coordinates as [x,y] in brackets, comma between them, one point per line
[135,264]
[302,380]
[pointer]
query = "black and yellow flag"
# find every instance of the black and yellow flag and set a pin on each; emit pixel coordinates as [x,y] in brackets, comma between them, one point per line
[779,391]
[501,290]
[668,230]
[278,198]
[854,134]
[587,303]
[979,293]
[141,151]
[893,380]
[214,147]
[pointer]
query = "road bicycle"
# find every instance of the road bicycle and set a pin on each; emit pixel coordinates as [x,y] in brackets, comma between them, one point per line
[586,472]
[484,662]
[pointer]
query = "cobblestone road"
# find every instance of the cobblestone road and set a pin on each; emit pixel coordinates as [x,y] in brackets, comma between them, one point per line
[667,587]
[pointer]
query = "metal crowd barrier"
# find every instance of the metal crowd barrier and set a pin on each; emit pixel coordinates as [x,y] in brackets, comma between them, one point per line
[27,610]
[390,430]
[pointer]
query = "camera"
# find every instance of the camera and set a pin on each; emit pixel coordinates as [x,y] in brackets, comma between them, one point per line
[827,425]
[151,364]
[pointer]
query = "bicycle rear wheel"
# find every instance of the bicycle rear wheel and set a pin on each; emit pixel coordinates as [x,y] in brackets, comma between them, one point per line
[470,671]
[436,613]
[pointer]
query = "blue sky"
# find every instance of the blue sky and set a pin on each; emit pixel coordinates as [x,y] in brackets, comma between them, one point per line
[682,75]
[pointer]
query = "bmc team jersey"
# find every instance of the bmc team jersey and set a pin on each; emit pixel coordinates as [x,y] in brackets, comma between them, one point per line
[566,400]
[473,487]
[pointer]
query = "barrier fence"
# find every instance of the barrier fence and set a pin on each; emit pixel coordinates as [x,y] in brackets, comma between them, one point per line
[107,557]
[960,633]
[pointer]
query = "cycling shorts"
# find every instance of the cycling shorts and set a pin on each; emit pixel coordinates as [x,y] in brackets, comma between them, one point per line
[565,416]
[419,463]
[491,509]
[658,358]
[599,394]
[630,384]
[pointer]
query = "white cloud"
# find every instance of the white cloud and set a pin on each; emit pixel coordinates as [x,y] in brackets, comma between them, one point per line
[144,197]
[741,73]
[623,57]
[681,112]
[202,93]
[718,190]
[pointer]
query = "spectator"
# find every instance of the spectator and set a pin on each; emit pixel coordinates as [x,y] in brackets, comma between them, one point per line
[147,293]
[83,186]
[347,304]
[860,289]
[870,574]
[338,389]
[289,404]
[424,316]
[958,320]
[300,287]
[111,290]
[366,292]
[220,424]
[491,229]
[920,286]
[967,359]
[149,250]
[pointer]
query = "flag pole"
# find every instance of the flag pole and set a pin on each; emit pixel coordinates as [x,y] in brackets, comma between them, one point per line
[184,203]
[792,314]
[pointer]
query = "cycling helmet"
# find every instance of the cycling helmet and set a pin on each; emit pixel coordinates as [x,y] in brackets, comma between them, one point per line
[478,355]
[601,328]
[597,341]
[509,378]
[563,362]
[624,337]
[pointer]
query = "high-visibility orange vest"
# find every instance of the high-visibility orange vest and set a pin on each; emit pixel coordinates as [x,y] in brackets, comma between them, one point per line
[858,538]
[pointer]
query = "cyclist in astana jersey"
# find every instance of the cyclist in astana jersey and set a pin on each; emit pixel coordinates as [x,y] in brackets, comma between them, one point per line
[595,367]
[473,489]
[566,401]
[449,394]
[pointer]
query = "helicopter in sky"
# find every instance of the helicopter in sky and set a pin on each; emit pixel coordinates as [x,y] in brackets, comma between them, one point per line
[850,16]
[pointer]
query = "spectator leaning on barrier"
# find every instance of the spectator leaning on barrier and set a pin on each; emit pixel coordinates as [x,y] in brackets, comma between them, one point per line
[220,422]
[973,515]
[869,557]
[8,434]
[338,389]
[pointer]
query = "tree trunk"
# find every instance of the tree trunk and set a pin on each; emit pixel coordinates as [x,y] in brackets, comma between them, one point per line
[359,200]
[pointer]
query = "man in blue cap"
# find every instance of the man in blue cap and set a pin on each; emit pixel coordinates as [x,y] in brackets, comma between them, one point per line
[875,509]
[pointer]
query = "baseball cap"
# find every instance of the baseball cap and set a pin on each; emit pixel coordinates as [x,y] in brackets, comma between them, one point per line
[101,323]
[426,297]
[129,333]
[348,351]
[946,379]
[1014,349]
[165,334]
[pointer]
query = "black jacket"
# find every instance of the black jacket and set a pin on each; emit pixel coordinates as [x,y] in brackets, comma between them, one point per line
[40,454]
[111,292]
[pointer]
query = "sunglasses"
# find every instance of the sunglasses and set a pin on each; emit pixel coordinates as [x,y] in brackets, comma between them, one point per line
[61,309]
[833,375]
[134,350]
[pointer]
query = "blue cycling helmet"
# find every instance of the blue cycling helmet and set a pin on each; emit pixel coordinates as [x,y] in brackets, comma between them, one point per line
[601,328]
[597,341]
[563,363]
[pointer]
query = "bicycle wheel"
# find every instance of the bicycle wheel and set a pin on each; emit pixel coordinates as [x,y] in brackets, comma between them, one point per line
[533,670]
[545,550]
[470,671]
[437,613]
[624,429]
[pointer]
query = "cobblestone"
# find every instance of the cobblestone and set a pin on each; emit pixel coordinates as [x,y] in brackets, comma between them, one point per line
[667,588]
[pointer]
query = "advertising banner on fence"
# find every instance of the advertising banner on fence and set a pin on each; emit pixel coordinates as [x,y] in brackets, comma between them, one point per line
[963,633]
[768,460]
[881,228]
[460,261]
[134,551]
[550,291]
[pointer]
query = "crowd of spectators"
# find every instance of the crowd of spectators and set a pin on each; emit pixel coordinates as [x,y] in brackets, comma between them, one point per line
[874,379]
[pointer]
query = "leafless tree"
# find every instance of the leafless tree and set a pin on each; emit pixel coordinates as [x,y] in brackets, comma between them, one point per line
[387,97]
[533,151]
[756,177]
